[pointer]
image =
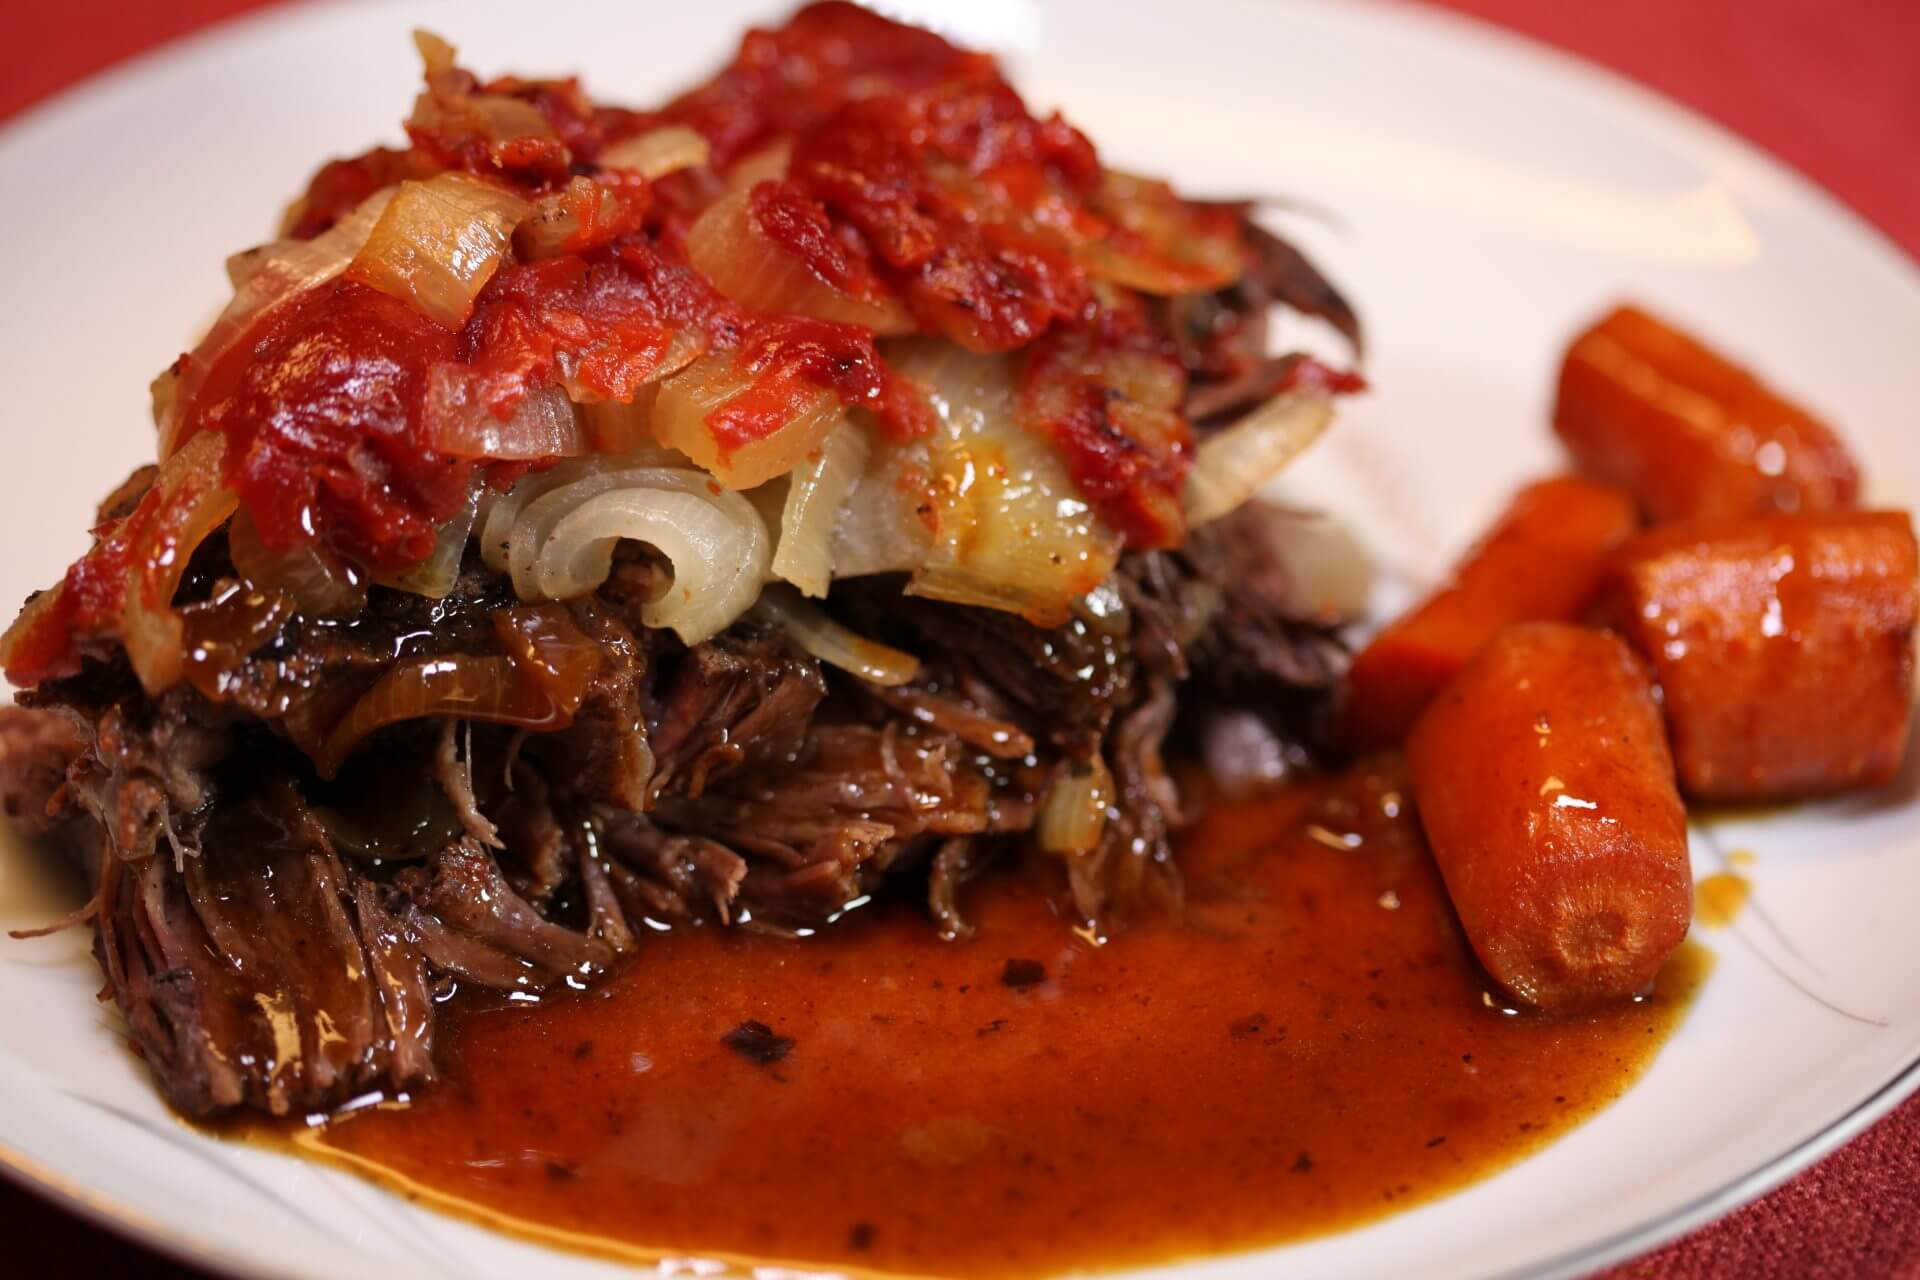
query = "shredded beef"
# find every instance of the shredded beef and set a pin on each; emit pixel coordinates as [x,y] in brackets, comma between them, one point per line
[1222,337]
[607,755]
[469,921]
[666,876]
[247,977]
[742,698]
[276,940]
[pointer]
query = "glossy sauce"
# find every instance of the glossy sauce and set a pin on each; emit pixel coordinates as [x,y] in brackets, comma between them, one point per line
[1312,1046]
[1718,898]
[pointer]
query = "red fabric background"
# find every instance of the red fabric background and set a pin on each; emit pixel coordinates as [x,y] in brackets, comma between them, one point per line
[1830,86]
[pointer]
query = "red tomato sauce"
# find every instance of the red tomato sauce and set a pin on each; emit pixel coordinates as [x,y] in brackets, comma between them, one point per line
[916,174]
[321,410]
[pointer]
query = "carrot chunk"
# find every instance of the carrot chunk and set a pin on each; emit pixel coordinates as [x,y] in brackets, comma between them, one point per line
[1546,789]
[1690,433]
[1784,646]
[1543,561]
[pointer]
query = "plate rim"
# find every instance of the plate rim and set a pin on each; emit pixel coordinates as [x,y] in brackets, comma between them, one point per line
[1623,92]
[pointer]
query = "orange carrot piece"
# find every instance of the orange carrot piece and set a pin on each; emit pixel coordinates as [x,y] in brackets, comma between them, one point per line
[1691,434]
[1784,646]
[1546,789]
[1543,561]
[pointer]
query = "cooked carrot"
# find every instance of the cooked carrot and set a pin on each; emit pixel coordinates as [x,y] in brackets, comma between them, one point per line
[1546,790]
[1690,433]
[1784,646]
[1543,561]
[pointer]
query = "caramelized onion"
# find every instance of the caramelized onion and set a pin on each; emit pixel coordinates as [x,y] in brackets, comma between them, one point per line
[728,247]
[1074,814]
[690,397]
[461,423]
[1230,466]
[438,243]
[657,152]
[551,650]
[833,643]
[816,497]
[320,584]
[539,683]
[491,689]
[221,632]
[188,501]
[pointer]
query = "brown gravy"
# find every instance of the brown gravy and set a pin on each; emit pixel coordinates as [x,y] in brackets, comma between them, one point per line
[1309,1048]
[1718,898]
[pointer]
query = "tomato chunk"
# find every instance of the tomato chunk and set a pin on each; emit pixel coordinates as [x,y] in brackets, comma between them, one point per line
[1546,789]
[1784,646]
[1544,560]
[1690,433]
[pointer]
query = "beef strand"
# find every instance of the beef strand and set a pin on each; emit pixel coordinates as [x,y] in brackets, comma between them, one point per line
[277,941]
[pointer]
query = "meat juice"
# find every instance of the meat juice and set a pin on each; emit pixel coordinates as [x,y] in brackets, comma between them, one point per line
[1307,1046]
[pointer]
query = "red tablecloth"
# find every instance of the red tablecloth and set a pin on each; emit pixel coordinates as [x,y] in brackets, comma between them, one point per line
[1830,86]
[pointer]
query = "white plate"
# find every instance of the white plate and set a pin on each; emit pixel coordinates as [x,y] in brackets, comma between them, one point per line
[1490,197]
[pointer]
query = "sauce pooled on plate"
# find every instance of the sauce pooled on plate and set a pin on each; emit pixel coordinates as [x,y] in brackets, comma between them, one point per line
[1310,1047]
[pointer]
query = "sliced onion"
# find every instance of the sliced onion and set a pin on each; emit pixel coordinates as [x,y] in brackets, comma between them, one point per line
[439,242]
[491,689]
[436,576]
[834,644]
[451,112]
[1074,815]
[321,584]
[502,119]
[1164,245]
[657,152]
[764,164]
[287,270]
[614,427]
[244,265]
[1010,529]
[1230,466]
[188,501]
[691,396]
[719,555]
[559,540]
[436,53]
[498,511]
[462,424]
[163,391]
[817,495]
[566,221]
[727,246]
[887,522]
[22,645]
